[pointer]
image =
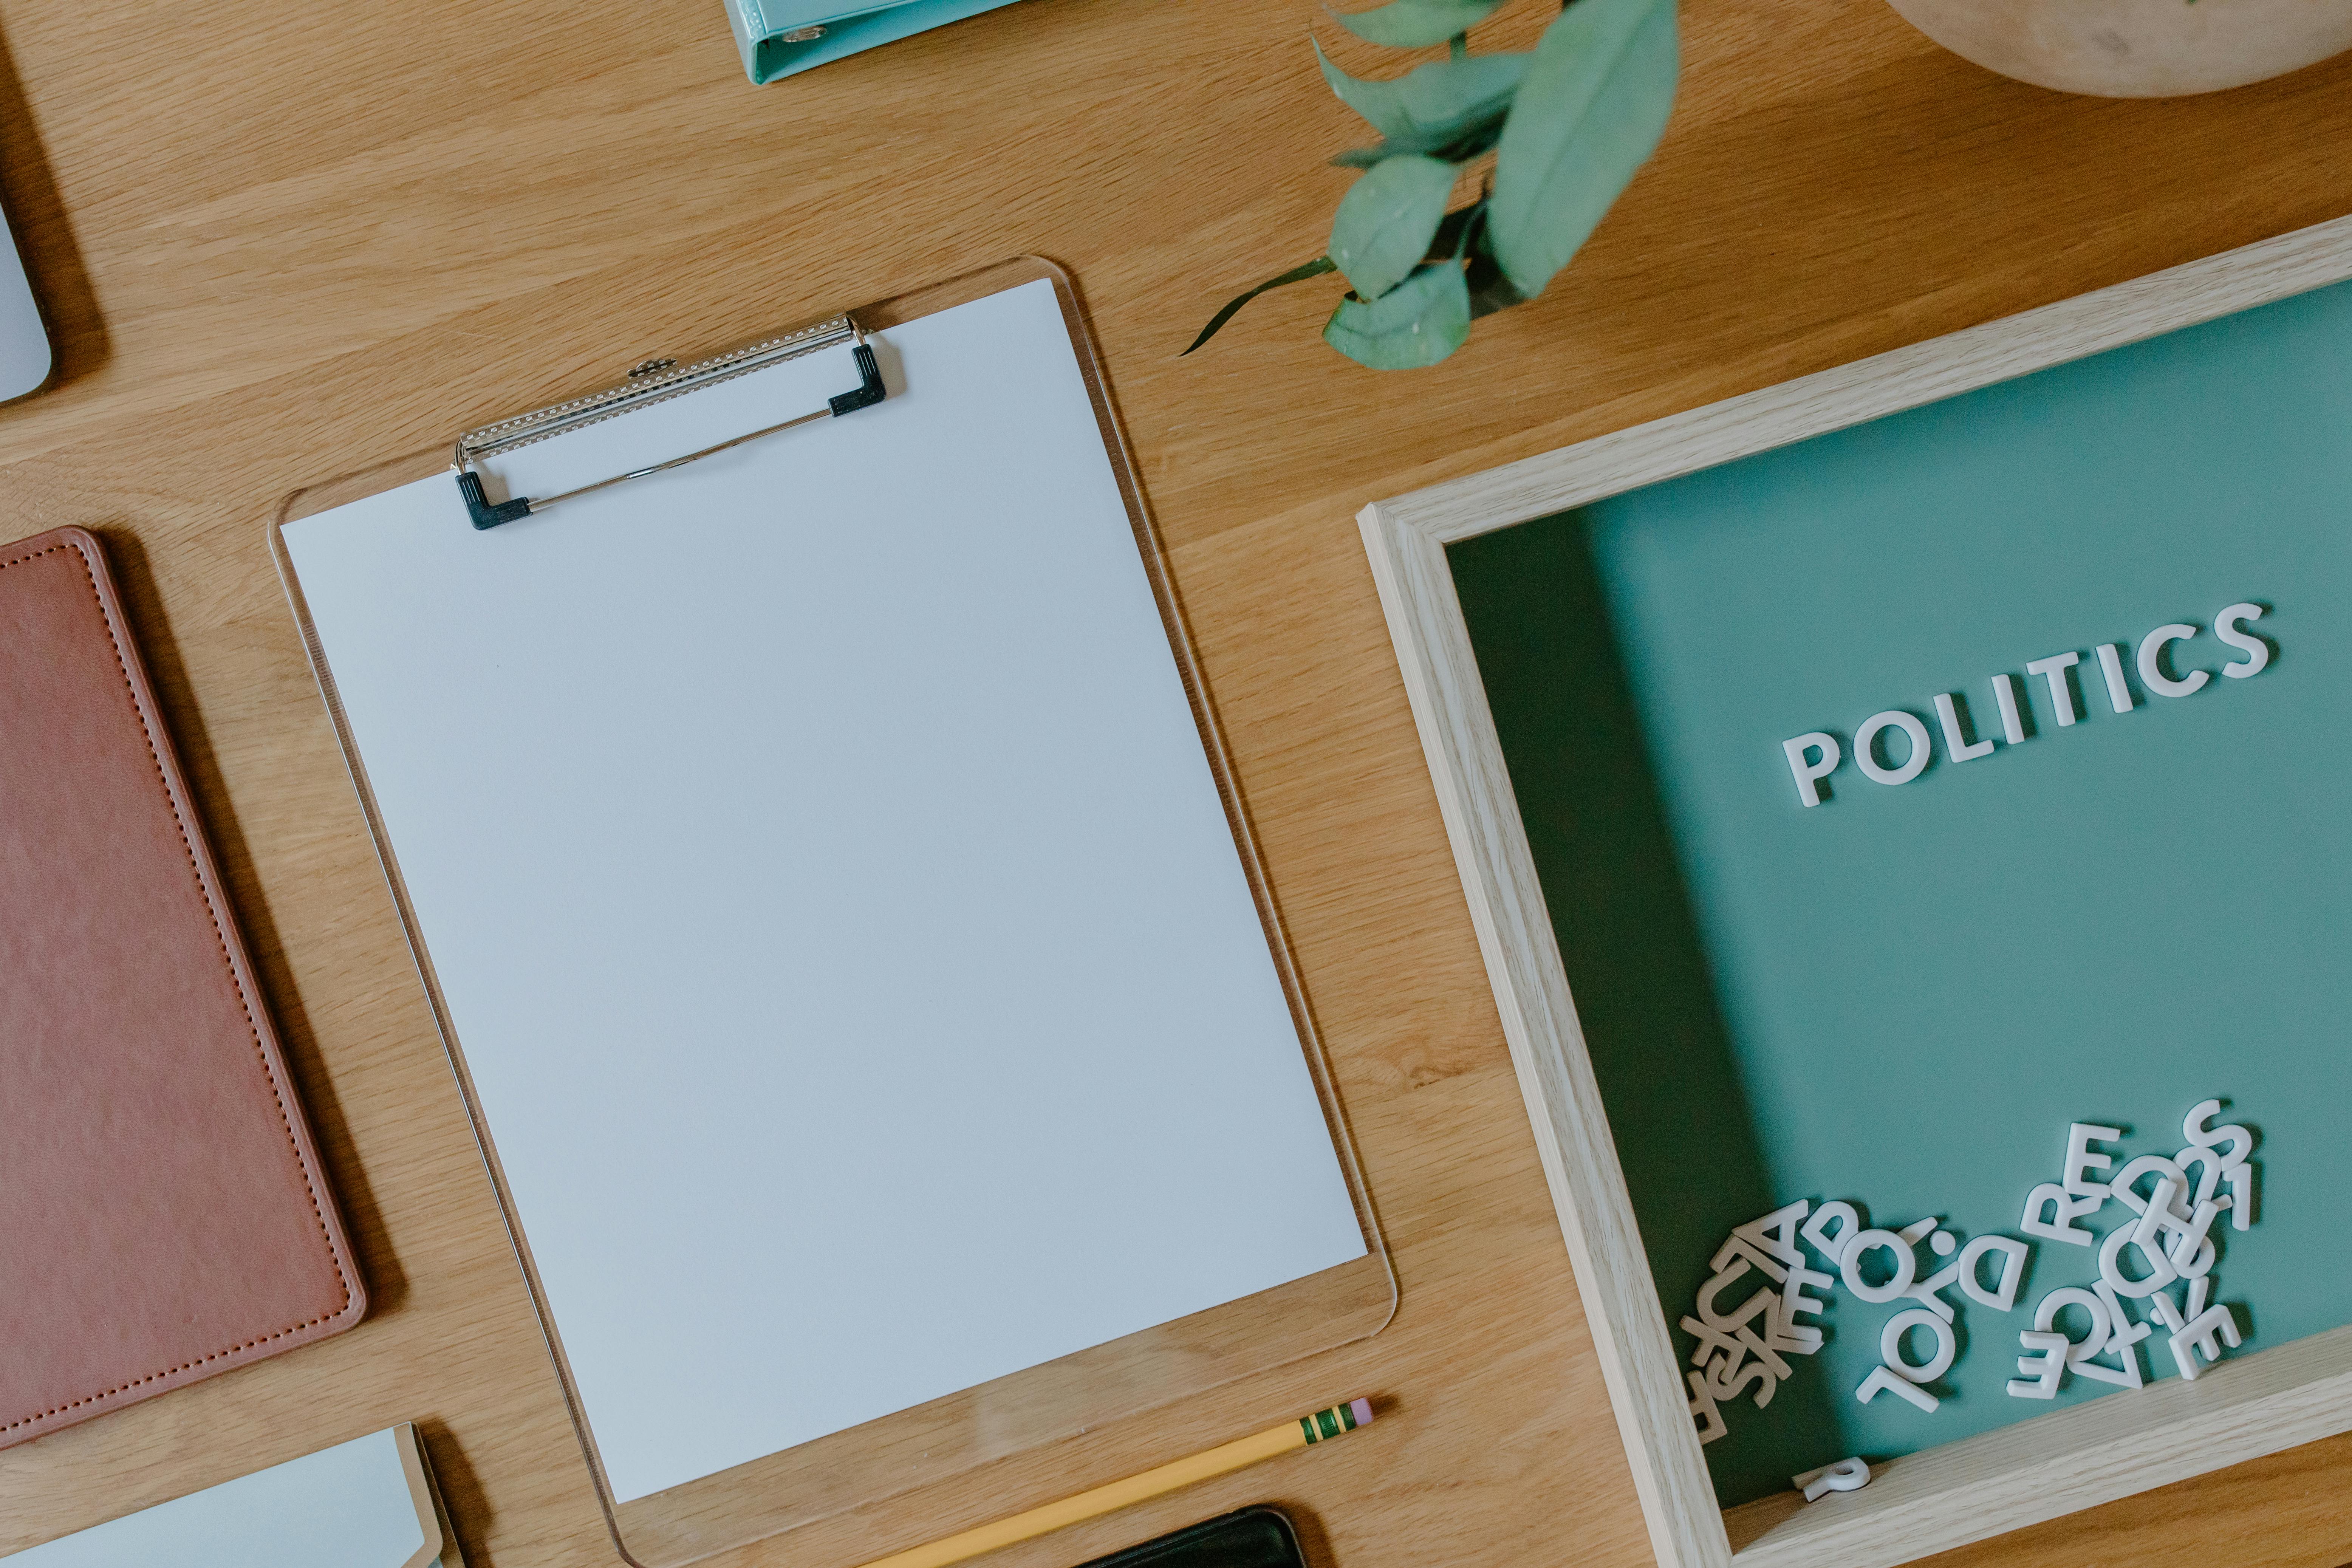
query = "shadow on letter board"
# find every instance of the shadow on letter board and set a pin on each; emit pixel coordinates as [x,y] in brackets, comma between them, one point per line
[1629,941]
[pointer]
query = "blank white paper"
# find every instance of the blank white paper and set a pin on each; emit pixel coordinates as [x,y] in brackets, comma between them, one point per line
[344,1507]
[830,895]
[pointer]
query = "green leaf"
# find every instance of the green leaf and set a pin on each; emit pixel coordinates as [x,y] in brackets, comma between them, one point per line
[1315,269]
[1416,323]
[1590,111]
[1431,104]
[1416,23]
[1385,221]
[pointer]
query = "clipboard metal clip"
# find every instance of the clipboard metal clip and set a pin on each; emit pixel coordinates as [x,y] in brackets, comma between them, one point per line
[658,380]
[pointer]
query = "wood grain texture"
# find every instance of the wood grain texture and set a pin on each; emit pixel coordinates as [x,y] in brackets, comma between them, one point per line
[1638,1360]
[2043,1468]
[280,243]
[1875,387]
[1948,1495]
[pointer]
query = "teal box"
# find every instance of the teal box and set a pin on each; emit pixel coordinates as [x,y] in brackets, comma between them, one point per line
[1901,997]
[780,38]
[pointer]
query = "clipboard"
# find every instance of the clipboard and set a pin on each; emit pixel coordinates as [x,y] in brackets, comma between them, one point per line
[623,472]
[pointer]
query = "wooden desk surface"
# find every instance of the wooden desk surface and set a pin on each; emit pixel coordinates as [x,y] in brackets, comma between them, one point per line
[283,241]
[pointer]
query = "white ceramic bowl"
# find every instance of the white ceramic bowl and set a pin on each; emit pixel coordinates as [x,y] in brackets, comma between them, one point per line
[2136,48]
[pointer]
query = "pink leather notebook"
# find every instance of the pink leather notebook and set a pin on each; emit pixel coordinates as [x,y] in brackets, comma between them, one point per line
[162,1211]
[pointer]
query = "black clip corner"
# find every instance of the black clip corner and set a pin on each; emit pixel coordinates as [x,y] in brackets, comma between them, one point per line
[478,507]
[870,390]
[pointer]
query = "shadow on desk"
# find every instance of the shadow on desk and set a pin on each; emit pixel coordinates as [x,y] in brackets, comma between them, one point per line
[29,193]
[151,625]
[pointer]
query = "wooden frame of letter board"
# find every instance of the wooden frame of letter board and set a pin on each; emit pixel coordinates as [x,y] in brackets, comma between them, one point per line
[1940,1497]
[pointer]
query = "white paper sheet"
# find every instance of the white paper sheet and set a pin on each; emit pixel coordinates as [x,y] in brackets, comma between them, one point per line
[831,896]
[345,1507]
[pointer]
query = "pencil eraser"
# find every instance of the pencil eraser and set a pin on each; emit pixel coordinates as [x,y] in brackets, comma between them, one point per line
[1361,1409]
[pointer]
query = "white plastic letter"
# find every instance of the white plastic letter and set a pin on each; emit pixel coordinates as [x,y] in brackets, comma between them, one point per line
[2151,662]
[2004,698]
[1881,1381]
[2123,1335]
[1783,1335]
[2125,1373]
[1948,717]
[2193,1252]
[2239,1142]
[2257,651]
[2170,1314]
[2081,1159]
[2121,1186]
[1898,1283]
[2210,1168]
[2163,1217]
[1890,1345]
[2043,1368]
[1738,1248]
[2111,665]
[1712,1341]
[2063,1211]
[2241,1177]
[1797,1301]
[1763,1353]
[1810,775]
[2061,696]
[1845,1476]
[2198,1335]
[2128,1333]
[2002,1295]
[1926,1291]
[1703,1409]
[1831,1243]
[2119,1318]
[1775,1232]
[1866,742]
[2160,1271]
[1726,1322]
[1942,1241]
[2094,1337]
[1724,1380]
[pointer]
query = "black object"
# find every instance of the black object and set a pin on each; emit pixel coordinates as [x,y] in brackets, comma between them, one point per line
[1259,1537]
[870,386]
[478,507]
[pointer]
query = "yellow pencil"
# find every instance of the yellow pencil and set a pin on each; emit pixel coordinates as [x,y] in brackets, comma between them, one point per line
[1321,1426]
